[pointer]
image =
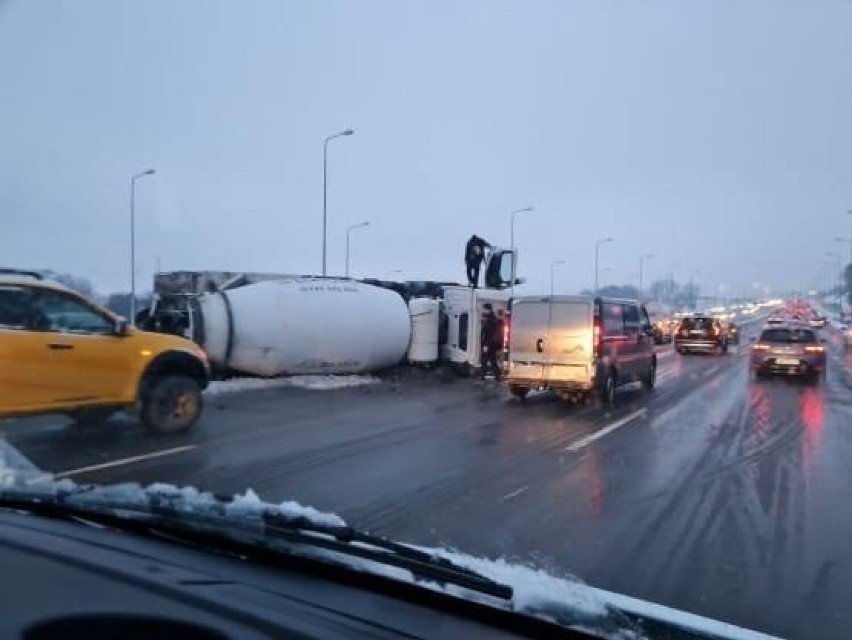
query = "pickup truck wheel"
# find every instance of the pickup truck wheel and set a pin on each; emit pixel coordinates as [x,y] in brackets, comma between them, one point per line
[172,404]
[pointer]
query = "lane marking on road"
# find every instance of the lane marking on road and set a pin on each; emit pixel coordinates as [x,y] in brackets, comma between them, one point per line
[710,371]
[589,439]
[515,493]
[124,461]
[665,354]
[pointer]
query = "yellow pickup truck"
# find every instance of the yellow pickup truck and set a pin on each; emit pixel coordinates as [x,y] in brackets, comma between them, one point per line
[61,353]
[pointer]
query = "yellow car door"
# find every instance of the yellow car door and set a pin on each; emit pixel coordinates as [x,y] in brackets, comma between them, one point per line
[87,359]
[25,384]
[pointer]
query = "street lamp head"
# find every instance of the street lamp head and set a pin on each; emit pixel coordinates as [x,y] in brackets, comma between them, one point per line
[347,132]
[556,262]
[608,239]
[149,172]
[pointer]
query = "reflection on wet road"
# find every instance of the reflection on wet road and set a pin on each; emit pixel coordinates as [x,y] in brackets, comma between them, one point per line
[714,493]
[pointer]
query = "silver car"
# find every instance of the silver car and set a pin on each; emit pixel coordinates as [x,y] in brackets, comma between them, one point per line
[790,350]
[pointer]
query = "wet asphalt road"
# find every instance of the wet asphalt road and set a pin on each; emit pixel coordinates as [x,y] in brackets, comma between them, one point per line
[713,494]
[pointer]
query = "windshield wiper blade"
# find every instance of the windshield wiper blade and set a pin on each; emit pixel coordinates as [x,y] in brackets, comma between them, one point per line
[385,551]
[263,527]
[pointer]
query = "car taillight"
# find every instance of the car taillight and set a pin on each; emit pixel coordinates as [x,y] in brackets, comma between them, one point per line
[815,349]
[761,347]
[507,331]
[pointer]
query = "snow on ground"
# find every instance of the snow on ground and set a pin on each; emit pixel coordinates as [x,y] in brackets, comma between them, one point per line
[314,383]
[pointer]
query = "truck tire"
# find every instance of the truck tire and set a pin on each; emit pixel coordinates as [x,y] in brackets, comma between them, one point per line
[172,404]
[519,393]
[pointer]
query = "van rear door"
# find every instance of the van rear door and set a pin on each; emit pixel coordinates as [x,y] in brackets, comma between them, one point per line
[527,339]
[570,347]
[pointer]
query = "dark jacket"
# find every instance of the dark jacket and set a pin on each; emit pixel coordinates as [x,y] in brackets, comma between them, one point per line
[475,249]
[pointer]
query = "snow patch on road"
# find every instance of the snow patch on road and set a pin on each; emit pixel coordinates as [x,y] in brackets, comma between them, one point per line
[314,383]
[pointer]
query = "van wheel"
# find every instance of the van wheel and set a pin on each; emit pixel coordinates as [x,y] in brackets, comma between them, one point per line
[651,378]
[172,404]
[519,393]
[606,393]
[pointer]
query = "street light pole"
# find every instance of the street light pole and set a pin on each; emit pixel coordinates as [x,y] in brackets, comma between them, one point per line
[349,231]
[512,244]
[597,259]
[642,259]
[347,132]
[552,269]
[843,274]
[837,262]
[133,180]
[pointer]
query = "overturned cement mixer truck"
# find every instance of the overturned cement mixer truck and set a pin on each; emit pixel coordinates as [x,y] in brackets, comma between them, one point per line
[267,325]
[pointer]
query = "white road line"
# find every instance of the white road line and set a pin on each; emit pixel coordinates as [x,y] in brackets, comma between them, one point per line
[515,493]
[124,461]
[582,442]
[665,354]
[710,372]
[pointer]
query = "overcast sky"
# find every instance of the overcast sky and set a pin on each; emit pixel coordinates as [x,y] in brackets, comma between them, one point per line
[716,135]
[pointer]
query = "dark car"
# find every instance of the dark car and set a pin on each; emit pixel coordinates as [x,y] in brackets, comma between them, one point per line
[701,334]
[789,350]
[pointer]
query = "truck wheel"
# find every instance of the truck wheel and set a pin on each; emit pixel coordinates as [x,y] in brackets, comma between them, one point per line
[520,393]
[172,404]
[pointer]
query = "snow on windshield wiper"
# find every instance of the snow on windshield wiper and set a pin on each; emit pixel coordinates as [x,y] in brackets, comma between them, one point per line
[246,517]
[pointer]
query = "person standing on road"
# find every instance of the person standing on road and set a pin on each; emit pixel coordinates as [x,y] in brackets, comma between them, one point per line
[474,255]
[490,338]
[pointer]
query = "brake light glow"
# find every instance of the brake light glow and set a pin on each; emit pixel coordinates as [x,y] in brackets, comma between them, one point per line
[761,347]
[815,349]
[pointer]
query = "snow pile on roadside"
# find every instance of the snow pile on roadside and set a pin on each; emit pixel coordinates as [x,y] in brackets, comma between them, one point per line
[314,383]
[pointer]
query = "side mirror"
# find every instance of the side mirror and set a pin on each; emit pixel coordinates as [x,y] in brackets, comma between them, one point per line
[122,327]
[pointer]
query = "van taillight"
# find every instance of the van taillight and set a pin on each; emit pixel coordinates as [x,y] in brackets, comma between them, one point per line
[507,331]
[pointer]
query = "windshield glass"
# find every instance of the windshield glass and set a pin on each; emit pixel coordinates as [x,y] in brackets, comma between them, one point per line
[502,278]
[788,335]
[697,323]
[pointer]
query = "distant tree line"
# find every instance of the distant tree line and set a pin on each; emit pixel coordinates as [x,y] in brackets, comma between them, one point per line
[665,291]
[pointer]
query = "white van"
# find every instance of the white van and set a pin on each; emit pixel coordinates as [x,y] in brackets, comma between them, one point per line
[579,345]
